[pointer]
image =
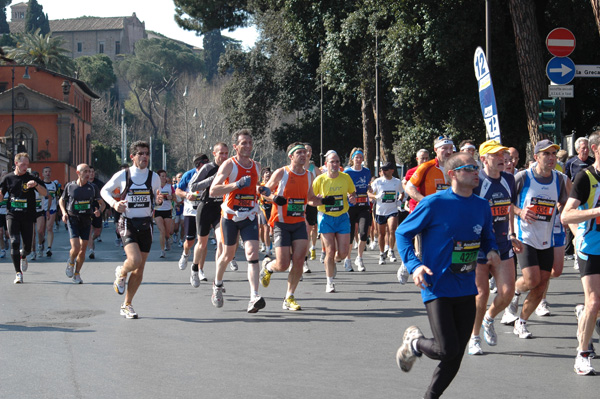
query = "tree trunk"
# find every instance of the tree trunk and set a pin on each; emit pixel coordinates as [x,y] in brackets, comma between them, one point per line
[530,58]
[596,8]
[368,122]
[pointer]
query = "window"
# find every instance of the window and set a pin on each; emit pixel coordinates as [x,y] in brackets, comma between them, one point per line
[117,47]
[101,48]
[79,47]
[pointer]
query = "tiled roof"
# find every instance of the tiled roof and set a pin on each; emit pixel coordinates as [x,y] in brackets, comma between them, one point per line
[76,24]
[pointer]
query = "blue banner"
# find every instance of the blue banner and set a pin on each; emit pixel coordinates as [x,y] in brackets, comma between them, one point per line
[487,99]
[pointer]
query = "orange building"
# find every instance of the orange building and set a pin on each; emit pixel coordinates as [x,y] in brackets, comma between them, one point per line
[53,118]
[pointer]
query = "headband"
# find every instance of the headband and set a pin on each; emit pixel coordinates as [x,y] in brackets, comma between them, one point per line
[355,153]
[330,152]
[295,148]
[467,147]
[443,142]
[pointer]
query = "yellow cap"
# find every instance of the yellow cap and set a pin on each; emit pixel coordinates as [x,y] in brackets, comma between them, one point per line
[491,147]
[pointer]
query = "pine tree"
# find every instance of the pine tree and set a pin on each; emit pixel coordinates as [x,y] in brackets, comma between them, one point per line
[36,19]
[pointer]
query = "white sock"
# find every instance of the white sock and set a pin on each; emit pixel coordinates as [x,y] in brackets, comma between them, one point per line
[329,280]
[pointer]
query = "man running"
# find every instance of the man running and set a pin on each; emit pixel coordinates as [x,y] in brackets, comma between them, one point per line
[334,222]
[541,194]
[139,188]
[96,220]
[21,187]
[291,188]
[78,204]
[163,213]
[455,224]
[582,207]
[50,206]
[311,211]
[208,213]
[237,181]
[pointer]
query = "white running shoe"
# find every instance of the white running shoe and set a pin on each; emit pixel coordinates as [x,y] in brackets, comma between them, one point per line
[406,356]
[511,311]
[391,256]
[322,257]
[119,284]
[382,258]
[355,246]
[70,269]
[360,264]
[77,279]
[575,264]
[24,264]
[19,278]
[493,288]
[520,330]
[542,309]
[373,245]
[256,304]
[305,268]
[402,274]
[489,332]
[183,261]
[475,346]
[128,312]
[162,254]
[583,366]
[217,296]
[330,288]
[195,279]
[32,256]
[348,265]
[201,275]
[233,266]
[40,250]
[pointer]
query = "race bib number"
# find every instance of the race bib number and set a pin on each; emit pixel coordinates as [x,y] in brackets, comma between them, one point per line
[362,200]
[500,208]
[81,206]
[18,204]
[464,256]
[138,198]
[295,207]
[543,208]
[388,197]
[243,202]
[440,185]
[338,206]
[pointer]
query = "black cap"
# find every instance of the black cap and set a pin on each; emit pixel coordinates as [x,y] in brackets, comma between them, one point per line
[387,166]
[200,159]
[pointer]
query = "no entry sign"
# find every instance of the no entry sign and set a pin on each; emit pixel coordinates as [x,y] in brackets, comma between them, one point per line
[560,42]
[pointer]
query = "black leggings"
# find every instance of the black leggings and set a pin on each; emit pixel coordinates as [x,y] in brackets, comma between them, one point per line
[362,216]
[17,228]
[451,321]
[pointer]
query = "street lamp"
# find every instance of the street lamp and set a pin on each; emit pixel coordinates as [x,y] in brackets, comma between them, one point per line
[187,147]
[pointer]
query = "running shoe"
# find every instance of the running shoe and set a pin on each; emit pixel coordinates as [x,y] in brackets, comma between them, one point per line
[233,266]
[569,257]
[521,330]
[217,296]
[313,254]
[330,288]
[355,245]
[77,279]
[269,253]
[40,250]
[183,261]
[542,309]
[2,253]
[493,288]
[201,275]
[510,313]
[256,304]
[70,269]
[19,278]
[382,258]
[92,254]
[391,256]
[406,356]
[373,246]
[213,241]
[360,264]
[265,275]
[24,264]
[162,254]
[475,346]
[128,312]
[322,257]
[348,265]
[575,264]
[48,252]
[306,269]
[402,274]
[489,332]
[263,247]
[119,284]
[195,279]
[180,244]
[168,245]
[290,304]
[32,256]
[583,366]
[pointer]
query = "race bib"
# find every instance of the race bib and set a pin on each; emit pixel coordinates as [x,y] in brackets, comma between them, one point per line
[388,197]
[543,208]
[138,198]
[362,200]
[338,206]
[18,204]
[464,256]
[81,206]
[295,207]
[243,202]
[500,208]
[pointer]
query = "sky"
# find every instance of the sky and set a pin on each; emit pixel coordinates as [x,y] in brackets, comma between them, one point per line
[157,14]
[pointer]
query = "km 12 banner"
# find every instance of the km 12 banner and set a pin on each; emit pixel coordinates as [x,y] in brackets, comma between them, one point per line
[487,99]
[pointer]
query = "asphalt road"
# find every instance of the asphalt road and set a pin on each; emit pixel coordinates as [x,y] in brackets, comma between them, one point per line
[61,340]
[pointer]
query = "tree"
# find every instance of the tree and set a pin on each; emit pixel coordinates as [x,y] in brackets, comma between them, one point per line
[206,15]
[4,28]
[36,19]
[97,71]
[44,51]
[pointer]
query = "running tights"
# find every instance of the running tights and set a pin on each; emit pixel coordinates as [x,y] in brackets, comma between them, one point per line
[451,321]
[17,229]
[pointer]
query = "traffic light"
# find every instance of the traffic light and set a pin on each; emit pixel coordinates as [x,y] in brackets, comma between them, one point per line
[550,117]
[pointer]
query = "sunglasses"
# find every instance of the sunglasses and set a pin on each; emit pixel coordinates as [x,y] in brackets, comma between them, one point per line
[143,153]
[468,168]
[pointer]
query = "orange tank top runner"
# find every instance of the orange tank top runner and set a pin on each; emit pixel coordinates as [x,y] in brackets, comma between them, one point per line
[429,178]
[295,189]
[241,201]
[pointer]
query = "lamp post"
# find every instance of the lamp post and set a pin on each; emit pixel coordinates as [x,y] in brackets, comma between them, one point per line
[187,147]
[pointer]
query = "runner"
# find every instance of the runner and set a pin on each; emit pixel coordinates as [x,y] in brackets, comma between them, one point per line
[162,214]
[78,204]
[237,181]
[208,214]
[96,220]
[264,230]
[3,230]
[311,211]
[137,186]
[178,231]
[334,222]
[50,206]
[190,204]
[291,188]
[21,187]
[386,190]
[541,193]
[498,187]
[360,213]
[446,275]
[39,224]
[582,207]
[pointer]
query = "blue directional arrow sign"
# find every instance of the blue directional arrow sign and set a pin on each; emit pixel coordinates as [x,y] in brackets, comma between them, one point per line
[560,70]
